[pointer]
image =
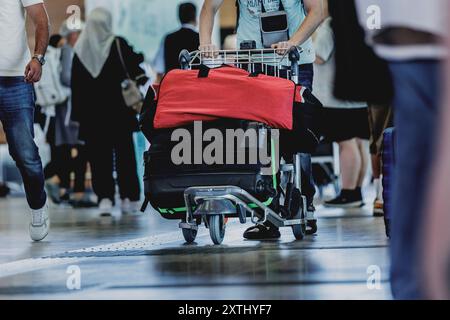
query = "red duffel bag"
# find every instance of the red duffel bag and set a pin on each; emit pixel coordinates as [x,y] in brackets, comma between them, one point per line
[226,92]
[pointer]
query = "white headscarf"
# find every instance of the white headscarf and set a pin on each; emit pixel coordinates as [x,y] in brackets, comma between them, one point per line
[94,46]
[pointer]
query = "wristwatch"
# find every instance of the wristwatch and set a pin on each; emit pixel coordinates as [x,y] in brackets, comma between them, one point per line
[40,58]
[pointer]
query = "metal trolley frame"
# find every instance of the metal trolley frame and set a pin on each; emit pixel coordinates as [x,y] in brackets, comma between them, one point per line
[213,204]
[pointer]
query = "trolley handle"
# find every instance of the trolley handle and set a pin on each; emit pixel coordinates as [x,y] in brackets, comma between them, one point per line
[294,58]
[186,58]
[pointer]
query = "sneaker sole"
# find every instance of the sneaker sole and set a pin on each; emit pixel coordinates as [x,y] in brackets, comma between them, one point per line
[43,237]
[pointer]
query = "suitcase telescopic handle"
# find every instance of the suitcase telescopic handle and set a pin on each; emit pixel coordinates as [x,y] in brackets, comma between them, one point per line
[294,58]
[185,59]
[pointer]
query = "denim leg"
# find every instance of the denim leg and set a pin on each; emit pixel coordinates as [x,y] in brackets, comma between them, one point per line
[416,104]
[16,114]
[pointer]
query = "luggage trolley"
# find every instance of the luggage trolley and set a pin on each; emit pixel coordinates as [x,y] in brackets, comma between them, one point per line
[210,195]
[213,204]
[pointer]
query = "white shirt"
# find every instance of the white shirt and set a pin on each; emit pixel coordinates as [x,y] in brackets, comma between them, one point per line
[422,15]
[14,50]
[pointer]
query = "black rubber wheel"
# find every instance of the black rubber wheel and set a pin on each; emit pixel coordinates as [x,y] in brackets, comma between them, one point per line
[189,235]
[311,227]
[217,228]
[298,231]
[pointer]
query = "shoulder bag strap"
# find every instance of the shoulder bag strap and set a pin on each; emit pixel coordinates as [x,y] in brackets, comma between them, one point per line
[119,50]
[238,15]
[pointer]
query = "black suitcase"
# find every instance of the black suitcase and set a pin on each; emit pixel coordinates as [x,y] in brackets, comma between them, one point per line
[165,182]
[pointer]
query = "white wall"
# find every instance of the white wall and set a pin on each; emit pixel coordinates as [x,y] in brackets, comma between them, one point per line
[145,22]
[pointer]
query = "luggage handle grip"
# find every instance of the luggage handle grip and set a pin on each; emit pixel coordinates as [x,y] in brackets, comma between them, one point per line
[204,72]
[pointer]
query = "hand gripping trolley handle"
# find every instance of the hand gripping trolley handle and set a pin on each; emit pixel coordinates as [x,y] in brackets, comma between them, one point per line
[214,204]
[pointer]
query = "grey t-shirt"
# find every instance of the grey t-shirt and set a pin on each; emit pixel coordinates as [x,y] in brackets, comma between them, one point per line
[249,23]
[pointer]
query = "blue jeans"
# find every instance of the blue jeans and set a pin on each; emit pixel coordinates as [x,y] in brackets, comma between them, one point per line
[416,105]
[17,115]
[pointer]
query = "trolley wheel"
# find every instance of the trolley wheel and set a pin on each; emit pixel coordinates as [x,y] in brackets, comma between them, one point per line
[217,228]
[311,227]
[242,214]
[189,235]
[299,231]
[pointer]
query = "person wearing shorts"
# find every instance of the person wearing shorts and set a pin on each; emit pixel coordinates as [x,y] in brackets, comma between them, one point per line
[344,122]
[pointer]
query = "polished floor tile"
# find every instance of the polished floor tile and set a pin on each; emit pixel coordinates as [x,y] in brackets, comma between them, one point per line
[144,257]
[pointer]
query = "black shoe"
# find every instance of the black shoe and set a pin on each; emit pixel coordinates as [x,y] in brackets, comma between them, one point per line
[65,198]
[4,190]
[265,231]
[347,199]
[83,204]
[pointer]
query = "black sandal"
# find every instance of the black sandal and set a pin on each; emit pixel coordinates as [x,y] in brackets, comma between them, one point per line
[262,232]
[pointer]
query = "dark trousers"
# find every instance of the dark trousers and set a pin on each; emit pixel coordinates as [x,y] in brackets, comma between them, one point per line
[62,165]
[106,157]
[17,115]
[416,105]
[305,79]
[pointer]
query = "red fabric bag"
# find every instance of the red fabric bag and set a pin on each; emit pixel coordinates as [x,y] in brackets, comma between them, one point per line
[186,96]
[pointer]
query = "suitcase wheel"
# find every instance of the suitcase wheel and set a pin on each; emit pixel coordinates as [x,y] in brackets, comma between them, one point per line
[217,228]
[189,235]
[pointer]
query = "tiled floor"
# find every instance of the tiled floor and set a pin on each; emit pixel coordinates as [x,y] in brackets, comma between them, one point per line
[144,257]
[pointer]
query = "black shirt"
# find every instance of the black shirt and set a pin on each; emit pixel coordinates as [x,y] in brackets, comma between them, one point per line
[185,38]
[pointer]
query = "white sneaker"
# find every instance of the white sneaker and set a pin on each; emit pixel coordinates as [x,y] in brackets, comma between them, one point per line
[105,207]
[40,224]
[129,207]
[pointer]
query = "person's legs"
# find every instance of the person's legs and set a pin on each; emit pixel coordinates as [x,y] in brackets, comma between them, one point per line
[352,163]
[16,114]
[126,167]
[50,169]
[417,88]
[80,168]
[64,167]
[268,230]
[306,78]
[100,155]
[51,175]
[364,156]
[375,160]
[380,118]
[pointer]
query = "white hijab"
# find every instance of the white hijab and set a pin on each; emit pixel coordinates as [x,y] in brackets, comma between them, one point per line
[94,46]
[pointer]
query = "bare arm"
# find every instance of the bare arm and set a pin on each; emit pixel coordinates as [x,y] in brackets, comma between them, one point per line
[38,15]
[207,16]
[316,14]
[317,11]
